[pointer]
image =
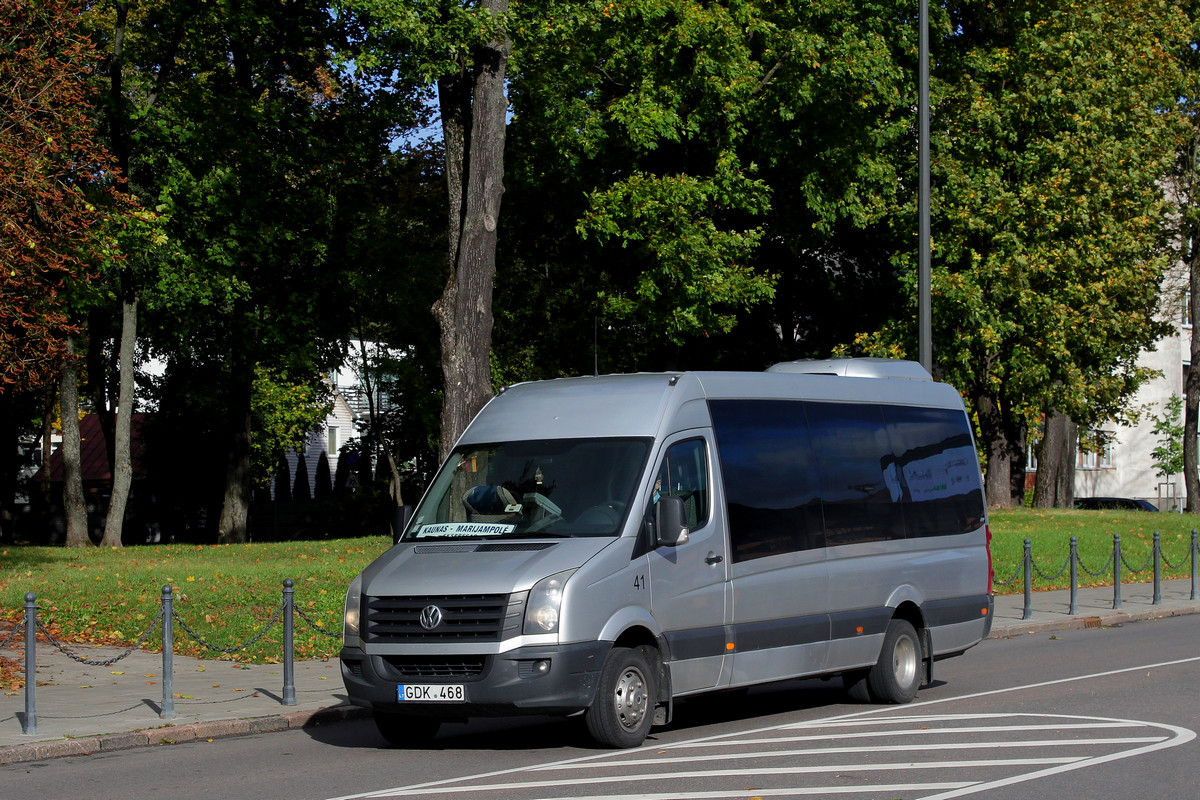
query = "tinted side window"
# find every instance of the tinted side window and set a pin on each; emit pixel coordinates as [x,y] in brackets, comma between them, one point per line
[860,485]
[938,468]
[684,473]
[769,475]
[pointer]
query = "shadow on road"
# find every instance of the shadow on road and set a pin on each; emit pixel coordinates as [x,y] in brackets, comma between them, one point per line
[759,705]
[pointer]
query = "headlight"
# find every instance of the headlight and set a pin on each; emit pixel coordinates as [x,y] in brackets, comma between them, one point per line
[545,600]
[353,605]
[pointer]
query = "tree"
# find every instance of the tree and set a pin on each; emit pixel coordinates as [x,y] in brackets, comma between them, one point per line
[74,507]
[55,183]
[246,135]
[694,186]
[1168,430]
[463,50]
[1049,243]
[1184,187]
[1055,487]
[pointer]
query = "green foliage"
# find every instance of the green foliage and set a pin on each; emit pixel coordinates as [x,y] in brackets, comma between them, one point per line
[57,205]
[284,411]
[1048,233]
[1049,145]
[1168,430]
[700,183]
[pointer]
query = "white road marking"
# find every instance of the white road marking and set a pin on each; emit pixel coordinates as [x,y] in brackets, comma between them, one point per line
[872,723]
[897,748]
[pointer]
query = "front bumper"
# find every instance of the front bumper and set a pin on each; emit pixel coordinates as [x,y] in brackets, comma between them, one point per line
[507,683]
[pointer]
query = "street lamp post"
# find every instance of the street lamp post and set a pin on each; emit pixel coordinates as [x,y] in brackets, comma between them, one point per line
[924,314]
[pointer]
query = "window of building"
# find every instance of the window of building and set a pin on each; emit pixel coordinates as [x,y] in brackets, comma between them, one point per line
[1095,450]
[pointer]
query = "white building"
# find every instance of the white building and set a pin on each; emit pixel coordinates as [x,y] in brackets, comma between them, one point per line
[1125,467]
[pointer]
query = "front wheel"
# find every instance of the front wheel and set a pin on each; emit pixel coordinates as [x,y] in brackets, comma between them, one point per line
[623,710]
[896,677]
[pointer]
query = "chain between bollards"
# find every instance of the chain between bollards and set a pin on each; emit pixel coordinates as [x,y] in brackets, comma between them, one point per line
[289,668]
[29,724]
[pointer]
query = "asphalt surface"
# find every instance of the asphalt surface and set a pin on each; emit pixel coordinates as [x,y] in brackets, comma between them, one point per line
[85,708]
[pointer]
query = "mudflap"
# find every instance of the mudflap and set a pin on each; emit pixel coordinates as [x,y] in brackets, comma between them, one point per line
[664,707]
[927,652]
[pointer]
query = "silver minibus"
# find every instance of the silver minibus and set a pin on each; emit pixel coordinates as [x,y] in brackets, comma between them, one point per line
[607,545]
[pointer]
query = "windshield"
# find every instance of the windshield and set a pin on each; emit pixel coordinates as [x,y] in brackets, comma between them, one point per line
[553,487]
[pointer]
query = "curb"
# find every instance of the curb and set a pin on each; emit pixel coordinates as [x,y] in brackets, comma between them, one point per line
[1009,630]
[178,734]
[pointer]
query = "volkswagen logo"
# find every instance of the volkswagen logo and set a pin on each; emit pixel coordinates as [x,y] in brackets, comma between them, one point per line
[431,617]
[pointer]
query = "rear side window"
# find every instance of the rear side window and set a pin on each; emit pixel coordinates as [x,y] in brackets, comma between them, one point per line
[805,474]
[938,468]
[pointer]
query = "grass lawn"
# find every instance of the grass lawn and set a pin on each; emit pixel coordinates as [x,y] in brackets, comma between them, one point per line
[227,593]
[1050,532]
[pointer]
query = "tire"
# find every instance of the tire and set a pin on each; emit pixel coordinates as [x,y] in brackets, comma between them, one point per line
[405,730]
[896,677]
[623,711]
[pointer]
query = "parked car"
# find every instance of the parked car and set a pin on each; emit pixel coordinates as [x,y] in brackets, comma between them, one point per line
[1113,504]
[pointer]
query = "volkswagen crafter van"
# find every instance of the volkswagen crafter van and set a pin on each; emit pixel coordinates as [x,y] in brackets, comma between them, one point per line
[606,545]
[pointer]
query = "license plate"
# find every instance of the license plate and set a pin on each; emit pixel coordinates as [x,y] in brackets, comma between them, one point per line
[431,693]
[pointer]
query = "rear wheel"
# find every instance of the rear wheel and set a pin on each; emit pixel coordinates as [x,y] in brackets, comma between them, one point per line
[896,677]
[623,710]
[405,730]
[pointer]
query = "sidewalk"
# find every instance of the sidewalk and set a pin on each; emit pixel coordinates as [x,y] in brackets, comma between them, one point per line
[85,709]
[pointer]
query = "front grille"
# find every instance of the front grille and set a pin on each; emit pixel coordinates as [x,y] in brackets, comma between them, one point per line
[436,666]
[464,618]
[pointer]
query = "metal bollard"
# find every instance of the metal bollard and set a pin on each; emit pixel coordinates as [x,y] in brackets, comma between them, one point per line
[1116,570]
[1157,601]
[29,724]
[1195,558]
[1074,607]
[168,642]
[289,669]
[1028,562]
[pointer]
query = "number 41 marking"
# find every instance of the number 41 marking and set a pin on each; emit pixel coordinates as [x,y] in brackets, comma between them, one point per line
[639,582]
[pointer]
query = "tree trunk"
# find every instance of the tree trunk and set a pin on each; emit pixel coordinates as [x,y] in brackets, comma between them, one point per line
[1004,443]
[97,380]
[464,311]
[234,524]
[1191,417]
[74,506]
[122,474]
[1056,463]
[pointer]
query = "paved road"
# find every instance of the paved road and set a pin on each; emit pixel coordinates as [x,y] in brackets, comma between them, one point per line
[1073,714]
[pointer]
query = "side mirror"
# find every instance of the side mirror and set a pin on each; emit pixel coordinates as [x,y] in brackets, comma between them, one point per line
[400,519]
[669,522]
